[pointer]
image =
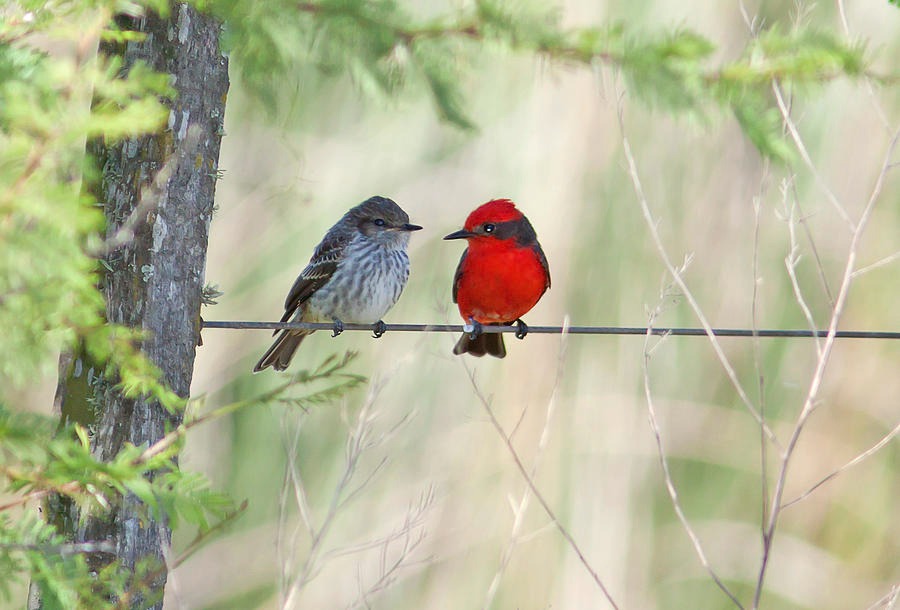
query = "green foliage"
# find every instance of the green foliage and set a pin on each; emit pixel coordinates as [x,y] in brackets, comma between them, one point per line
[332,372]
[49,105]
[35,462]
[30,546]
[50,237]
[385,50]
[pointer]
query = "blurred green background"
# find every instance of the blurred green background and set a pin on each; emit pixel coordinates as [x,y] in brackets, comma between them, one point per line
[445,490]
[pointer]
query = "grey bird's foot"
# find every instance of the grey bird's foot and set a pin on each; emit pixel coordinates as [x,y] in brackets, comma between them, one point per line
[338,328]
[521,329]
[476,329]
[379,329]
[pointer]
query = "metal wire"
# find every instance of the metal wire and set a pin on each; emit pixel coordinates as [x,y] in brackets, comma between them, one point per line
[573,330]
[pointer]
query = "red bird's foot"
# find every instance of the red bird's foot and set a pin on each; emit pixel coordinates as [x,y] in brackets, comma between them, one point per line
[474,329]
[378,329]
[521,329]
[338,328]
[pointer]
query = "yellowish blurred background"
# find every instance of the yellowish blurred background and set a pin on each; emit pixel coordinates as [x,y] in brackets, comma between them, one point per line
[446,495]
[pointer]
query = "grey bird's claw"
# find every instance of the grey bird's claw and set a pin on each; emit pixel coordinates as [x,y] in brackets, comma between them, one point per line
[338,328]
[378,329]
[521,329]
[476,329]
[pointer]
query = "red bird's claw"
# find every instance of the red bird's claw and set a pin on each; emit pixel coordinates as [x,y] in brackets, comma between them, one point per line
[476,329]
[521,329]
[378,329]
[338,328]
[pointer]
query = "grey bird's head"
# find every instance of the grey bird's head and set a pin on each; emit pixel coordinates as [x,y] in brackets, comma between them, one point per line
[382,220]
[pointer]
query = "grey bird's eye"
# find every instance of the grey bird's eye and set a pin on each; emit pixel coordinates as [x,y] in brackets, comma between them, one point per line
[489,228]
[379,222]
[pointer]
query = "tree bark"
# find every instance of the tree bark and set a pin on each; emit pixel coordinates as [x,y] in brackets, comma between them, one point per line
[154,282]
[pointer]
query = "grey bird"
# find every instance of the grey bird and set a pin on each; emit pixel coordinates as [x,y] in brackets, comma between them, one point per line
[355,275]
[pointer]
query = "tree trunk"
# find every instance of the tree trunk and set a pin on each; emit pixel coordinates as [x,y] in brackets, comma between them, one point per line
[154,282]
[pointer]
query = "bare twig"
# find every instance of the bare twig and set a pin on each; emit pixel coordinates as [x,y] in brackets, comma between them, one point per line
[667,476]
[291,481]
[807,160]
[564,532]
[679,281]
[803,220]
[360,440]
[815,385]
[887,260]
[859,458]
[757,350]
[520,509]
[408,539]
[356,445]
[889,601]
[793,259]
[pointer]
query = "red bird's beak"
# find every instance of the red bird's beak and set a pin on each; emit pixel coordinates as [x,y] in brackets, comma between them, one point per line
[461,234]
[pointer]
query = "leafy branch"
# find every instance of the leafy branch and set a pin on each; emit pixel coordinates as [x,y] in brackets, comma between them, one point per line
[32,468]
[383,48]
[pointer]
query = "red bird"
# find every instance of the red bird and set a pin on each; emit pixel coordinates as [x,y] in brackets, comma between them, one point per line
[500,277]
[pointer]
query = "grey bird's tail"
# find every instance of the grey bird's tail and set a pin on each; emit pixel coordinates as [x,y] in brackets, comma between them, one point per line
[485,343]
[282,351]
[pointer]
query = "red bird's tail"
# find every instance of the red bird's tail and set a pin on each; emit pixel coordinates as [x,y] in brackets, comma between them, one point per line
[485,343]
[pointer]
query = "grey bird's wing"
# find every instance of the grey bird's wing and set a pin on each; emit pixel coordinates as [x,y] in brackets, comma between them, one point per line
[321,267]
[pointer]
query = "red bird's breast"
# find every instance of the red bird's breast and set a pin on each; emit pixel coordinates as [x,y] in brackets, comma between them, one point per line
[499,281]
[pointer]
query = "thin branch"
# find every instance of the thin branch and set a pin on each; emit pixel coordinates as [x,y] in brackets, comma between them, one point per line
[804,154]
[803,220]
[679,280]
[522,508]
[889,601]
[353,451]
[757,349]
[792,260]
[206,535]
[389,570]
[360,440]
[531,484]
[859,458]
[291,480]
[824,358]
[670,484]
[887,260]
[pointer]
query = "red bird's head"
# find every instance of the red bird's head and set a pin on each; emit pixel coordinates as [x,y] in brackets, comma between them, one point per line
[497,219]
[494,211]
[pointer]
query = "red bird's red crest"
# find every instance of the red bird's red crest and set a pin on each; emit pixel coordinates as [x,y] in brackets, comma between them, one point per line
[496,211]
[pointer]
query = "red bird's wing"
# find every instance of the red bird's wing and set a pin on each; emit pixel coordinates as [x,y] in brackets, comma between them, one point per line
[540,254]
[316,274]
[459,273]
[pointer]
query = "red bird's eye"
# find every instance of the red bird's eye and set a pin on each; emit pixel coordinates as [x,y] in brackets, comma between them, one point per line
[489,228]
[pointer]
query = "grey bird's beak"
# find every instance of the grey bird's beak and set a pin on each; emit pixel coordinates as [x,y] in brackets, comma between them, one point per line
[409,227]
[461,234]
